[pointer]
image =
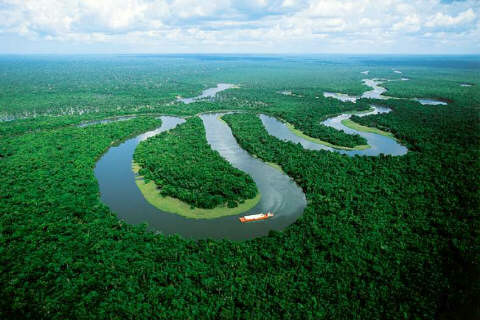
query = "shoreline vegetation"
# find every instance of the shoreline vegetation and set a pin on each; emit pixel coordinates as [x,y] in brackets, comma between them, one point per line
[176,206]
[325,143]
[271,164]
[275,166]
[355,126]
[183,175]
[380,238]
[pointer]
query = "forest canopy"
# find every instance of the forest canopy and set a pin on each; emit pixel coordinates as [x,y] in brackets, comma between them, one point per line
[183,165]
[381,237]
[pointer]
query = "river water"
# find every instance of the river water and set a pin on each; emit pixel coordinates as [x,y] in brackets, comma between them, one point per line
[280,194]
[377,93]
[105,121]
[208,93]
[378,144]
[433,102]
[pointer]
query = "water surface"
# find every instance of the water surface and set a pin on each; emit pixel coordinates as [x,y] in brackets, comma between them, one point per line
[429,101]
[280,194]
[379,144]
[377,93]
[340,96]
[208,93]
[377,90]
[105,121]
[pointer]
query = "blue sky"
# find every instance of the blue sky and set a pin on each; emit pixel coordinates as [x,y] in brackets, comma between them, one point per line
[248,26]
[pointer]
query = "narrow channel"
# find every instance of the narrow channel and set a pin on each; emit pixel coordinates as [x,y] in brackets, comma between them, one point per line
[207,93]
[377,93]
[379,144]
[105,121]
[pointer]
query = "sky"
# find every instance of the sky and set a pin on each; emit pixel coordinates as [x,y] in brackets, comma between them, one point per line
[245,26]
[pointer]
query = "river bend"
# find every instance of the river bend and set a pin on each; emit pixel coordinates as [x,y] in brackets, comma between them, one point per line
[280,193]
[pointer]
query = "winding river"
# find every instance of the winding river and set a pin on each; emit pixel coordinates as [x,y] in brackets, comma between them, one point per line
[379,144]
[280,193]
[433,102]
[377,93]
[105,121]
[208,93]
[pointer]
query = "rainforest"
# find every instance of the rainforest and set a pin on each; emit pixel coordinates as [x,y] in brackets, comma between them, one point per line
[183,166]
[123,179]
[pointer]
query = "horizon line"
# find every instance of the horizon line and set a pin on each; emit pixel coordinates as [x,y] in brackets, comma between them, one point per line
[245,54]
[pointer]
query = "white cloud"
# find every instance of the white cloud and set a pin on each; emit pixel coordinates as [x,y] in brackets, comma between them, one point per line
[443,20]
[410,23]
[367,22]
[112,14]
[336,8]
[224,25]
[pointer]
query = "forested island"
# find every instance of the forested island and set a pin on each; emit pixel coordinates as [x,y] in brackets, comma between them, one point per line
[182,165]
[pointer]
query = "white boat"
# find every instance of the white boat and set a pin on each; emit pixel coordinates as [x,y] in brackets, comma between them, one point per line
[256,217]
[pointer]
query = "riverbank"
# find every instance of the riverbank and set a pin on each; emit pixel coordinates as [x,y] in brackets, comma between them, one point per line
[378,141]
[325,143]
[275,166]
[169,204]
[355,126]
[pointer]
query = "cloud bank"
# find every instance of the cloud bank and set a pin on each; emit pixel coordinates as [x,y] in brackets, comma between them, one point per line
[263,26]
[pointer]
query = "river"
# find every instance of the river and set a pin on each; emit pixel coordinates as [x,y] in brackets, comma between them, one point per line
[280,194]
[105,121]
[379,144]
[377,92]
[208,93]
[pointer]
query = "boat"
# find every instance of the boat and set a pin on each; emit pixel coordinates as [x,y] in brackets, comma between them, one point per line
[256,217]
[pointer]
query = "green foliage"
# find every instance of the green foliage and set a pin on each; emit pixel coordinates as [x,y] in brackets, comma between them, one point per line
[381,237]
[306,111]
[406,209]
[183,166]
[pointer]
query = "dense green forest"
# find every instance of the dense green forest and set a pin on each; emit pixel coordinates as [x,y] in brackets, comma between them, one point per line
[304,113]
[183,166]
[413,212]
[381,238]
